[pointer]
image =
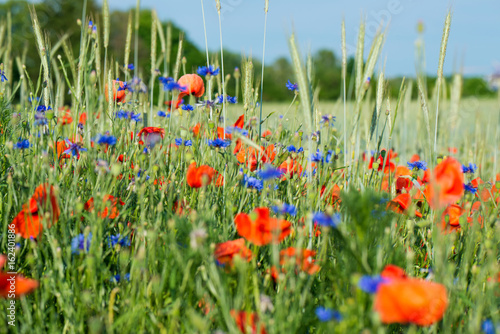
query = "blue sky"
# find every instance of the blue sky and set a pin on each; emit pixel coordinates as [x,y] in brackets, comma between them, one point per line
[474,34]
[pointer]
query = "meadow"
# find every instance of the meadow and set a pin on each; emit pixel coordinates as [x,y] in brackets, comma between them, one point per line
[166,206]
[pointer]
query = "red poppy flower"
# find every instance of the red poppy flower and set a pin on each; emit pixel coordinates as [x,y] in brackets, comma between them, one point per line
[415,158]
[450,217]
[198,177]
[28,222]
[62,146]
[389,165]
[118,95]
[193,85]
[240,122]
[226,251]
[289,168]
[83,118]
[302,258]
[152,135]
[15,285]
[401,203]
[196,129]
[266,133]
[411,300]
[391,272]
[447,184]
[263,230]
[248,322]
[111,206]
[66,118]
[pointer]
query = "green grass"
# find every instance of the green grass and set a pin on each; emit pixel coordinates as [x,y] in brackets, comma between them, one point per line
[173,277]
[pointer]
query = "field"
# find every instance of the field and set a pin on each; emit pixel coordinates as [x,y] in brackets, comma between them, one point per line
[124,211]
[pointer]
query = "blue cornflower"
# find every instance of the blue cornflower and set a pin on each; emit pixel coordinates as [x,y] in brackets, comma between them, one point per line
[317,157]
[417,165]
[43,108]
[470,188]
[161,114]
[286,209]
[74,148]
[326,314]
[129,115]
[106,140]
[80,243]
[231,129]
[131,67]
[178,141]
[229,99]
[329,156]
[269,173]
[165,80]
[187,107]
[22,144]
[118,239]
[135,117]
[323,219]
[219,143]
[188,143]
[488,327]
[471,169]
[292,87]
[370,284]
[117,278]
[292,149]
[328,119]
[252,182]
[2,76]
[170,84]
[206,70]
[121,114]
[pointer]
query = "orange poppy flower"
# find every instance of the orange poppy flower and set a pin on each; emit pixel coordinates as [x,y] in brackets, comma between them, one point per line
[411,300]
[248,322]
[83,118]
[66,118]
[118,95]
[263,230]
[266,133]
[402,171]
[302,257]
[193,85]
[62,146]
[111,212]
[401,203]
[198,177]
[28,223]
[447,184]
[226,251]
[15,285]
[152,135]
[240,122]
[415,158]
[389,165]
[453,150]
[450,217]
[196,129]
[289,168]
[391,272]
